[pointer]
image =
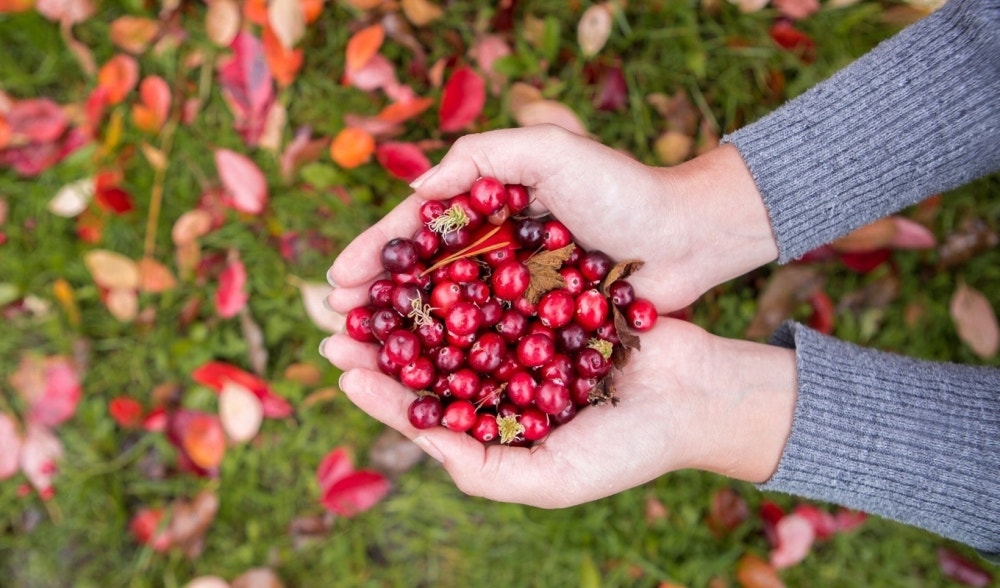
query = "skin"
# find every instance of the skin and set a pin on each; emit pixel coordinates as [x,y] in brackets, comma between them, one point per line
[689,399]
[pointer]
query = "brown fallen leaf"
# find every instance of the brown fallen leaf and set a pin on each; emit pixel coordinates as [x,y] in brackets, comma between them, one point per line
[544,269]
[393,454]
[190,520]
[594,29]
[787,287]
[753,572]
[257,578]
[975,321]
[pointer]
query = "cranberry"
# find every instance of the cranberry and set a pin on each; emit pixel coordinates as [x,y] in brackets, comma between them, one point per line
[573,279]
[402,346]
[425,412]
[449,358]
[580,390]
[555,308]
[591,309]
[621,293]
[463,318]
[477,291]
[521,388]
[566,415]
[594,265]
[431,334]
[536,424]
[608,332]
[440,386]
[498,256]
[386,365]
[517,198]
[359,324]
[476,218]
[535,350]
[463,270]
[460,416]
[528,232]
[555,235]
[460,341]
[487,352]
[457,239]
[399,255]
[492,311]
[552,397]
[571,337]
[490,393]
[590,363]
[510,280]
[444,295]
[512,325]
[485,429]
[526,307]
[406,296]
[498,217]
[427,243]
[559,368]
[487,195]
[430,210]
[418,374]
[385,321]
[507,367]
[380,293]
[641,315]
[464,383]
[415,276]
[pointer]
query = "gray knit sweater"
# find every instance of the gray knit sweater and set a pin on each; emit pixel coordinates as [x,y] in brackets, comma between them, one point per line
[914,441]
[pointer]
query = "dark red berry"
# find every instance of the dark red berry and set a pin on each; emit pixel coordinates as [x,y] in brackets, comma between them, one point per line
[590,363]
[464,383]
[517,198]
[460,416]
[521,388]
[385,321]
[528,232]
[457,239]
[427,243]
[380,293]
[621,293]
[579,390]
[536,424]
[559,369]
[487,195]
[566,415]
[425,412]
[405,297]
[430,210]
[402,346]
[641,315]
[485,429]
[551,397]
[555,235]
[571,338]
[386,365]
[359,324]
[399,255]
[463,318]
[492,311]
[594,265]
[477,291]
[418,374]
[431,334]
[487,352]
[449,358]
[512,325]
[535,350]
[463,270]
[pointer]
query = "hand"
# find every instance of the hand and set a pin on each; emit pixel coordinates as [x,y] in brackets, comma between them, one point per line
[688,400]
[695,225]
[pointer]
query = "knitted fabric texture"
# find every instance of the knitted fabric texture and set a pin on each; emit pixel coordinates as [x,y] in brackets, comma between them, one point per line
[917,115]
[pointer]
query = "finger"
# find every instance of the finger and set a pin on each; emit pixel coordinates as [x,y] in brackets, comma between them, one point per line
[348,354]
[359,262]
[513,156]
[343,300]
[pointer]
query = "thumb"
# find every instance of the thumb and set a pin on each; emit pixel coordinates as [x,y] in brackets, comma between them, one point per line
[512,156]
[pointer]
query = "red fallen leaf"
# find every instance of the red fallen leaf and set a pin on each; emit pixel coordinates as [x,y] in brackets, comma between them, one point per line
[199,437]
[863,263]
[403,160]
[114,199]
[303,149]
[487,50]
[911,235]
[795,538]
[462,100]
[727,511]
[133,33]
[377,73]
[231,296]
[753,572]
[94,108]
[151,113]
[90,227]
[245,184]
[975,321]
[848,520]
[796,9]
[37,120]
[215,374]
[14,6]
[770,514]
[148,528]
[355,493]
[40,452]
[823,523]
[612,90]
[791,39]
[126,411]
[822,315]
[118,76]
[10,440]
[961,569]
[247,86]
[34,158]
[50,386]
[156,420]
[255,11]
[335,466]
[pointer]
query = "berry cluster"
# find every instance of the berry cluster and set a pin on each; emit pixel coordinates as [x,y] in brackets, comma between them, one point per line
[503,324]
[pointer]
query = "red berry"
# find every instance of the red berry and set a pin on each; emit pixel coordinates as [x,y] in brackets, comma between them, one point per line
[517,198]
[457,239]
[463,270]
[536,424]
[512,325]
[385,321]
[552,397]
[590,363]
[555,235]
[594,265]
[476,218]
[501,255]
[406,296]
[573,279]
[449,358]
[641,315]
[460,416]
[492,311]
[430,210]
[510,280]
[555,308]
[477,291]
[571,338]
[487,352]
[535,350]
[528,233]
[402,346]
[380,293]
[487,195]
[559,368]
[579,390]
[485,429]
[490,393]
[427,243]
[621,293]
[431,334]
[425,412]
[418,374]
[464,383]
[443,296]
[521,388]
[359,324]
[399,255]
[591,309]
[386,365]
[566,415]
[463,318]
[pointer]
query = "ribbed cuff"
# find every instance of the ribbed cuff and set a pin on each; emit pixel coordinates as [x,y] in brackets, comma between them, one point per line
[914,441]
[916,116]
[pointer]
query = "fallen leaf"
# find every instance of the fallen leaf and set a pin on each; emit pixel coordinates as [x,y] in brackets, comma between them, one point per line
[334,466]
[65,11]
[274,128]
[156,157]
[313,295]
[848,520]
[245,184]
[312,9]
[753,572]
[114,199]
[73,198]
[301,150]
[875,235]
[594,29]
[788,286]
[377,73]
[283,62]
[911,235]
[362,46]
[154,277]
[727,511]
[10,440]
[793,40]
[974,236]
[148,528]
[403,160]
[962,570]
[133,33]
[823,523]
[222,21]
[255,11]
[393,454]
[462,100]
[287,21]
[191,225]
[655,510]
[240,412]
[118,76]
[126,411]
[822,317]
[487,50]
[231,296]
[975,321]
[748,6]
[203,440]
[352,147]
[112,270]
[421,12]
[795,536]
[673,147]
[207,582]
[50,386]
[549,112]
[190,520]
[40,453]
[355,493]
[15,6]
[257,578]
[399,112]
[253,335]
[543,268]
[612,90]
[122,303]
[36,120]
[247,86]
[151,113]
[215,375]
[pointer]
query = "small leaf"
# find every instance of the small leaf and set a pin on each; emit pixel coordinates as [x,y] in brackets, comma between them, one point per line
[114,199]
[247,86]
[287,21]
[112,270]
[793,40]
[543,268]
[148,528]
[796,9]
[673,147]
[126,411]
[133,33]
[795,538]
[10,440]
[753,572]
[823,523]
[122,303]
[911,235]
[203,440]
[594,29]
[154,277]
[190,226]
[727,511]
[962,570]
[50,386]
[41,451]
[118,76]
[629,340]
[405,161]
[240,412]
[257,578]
[65,11]
[975,321]
[245,184]
[620,271]
[222,21]
[421,12]
[873,236]
[355,493]
[190,520]
[462,100]
[73,198]
[549,112]
[352,147]
[231,295]
[151,113]
[36,120]
[363,45]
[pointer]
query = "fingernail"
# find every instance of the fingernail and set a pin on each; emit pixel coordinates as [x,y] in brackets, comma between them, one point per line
[424,177]
[326,303]
[329,278]
[429,448]
[322,344]
[340,380]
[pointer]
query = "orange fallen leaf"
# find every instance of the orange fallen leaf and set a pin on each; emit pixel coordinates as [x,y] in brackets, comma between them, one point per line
[870,237]
[421,12]
[118,76]
[204,441]
[363,45]
[311,9]
[352,147]
[975,321]
[151,113]
[753,572]
[112,270]
[284,63]
[133,33]
[404,110]
[154,277]
[255,11]
[16,5]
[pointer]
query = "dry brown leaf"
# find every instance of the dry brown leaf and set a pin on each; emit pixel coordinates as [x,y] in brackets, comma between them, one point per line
[287,21]
[877,294]
[753,572]
[154,277]
[188,256]
[155,157]
[393,454]
[190,226]
[594,29]
[257,578]
[304,373]
[222,21]
[253,334]
[787,287]
[240,412]
[544,268]
[190,520]
[975,321]
[622,354]
[673,147]
[522,94]
[621,271]
[421,12]
[973,237]
[112,270]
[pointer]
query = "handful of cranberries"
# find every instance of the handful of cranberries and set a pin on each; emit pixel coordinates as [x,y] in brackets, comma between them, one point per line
[502,324]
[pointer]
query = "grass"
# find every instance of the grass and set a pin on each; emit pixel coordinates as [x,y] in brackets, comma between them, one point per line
[425,533]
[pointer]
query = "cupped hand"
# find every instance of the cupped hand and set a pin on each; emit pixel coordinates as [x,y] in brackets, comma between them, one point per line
[685,402]
[694,225]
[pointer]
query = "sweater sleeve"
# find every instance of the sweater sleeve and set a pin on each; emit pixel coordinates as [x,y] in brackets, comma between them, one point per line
[917,115]
[914,441]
